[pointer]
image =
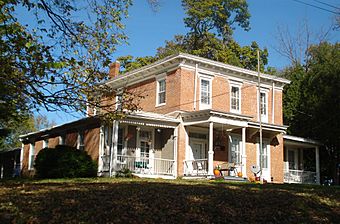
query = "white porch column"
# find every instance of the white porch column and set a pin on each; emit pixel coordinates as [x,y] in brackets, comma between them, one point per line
[244,153]
[175,168]
[317,165]
[211,150]
[113,153]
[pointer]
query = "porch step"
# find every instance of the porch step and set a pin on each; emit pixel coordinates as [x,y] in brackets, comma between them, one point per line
[236,179]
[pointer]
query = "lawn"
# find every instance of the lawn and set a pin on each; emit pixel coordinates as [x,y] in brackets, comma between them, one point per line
[104,200]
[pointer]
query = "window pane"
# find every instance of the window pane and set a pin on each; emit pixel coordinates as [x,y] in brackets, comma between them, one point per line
[120,143]
[161,91]
[235,98]
[205,91]
[263,103]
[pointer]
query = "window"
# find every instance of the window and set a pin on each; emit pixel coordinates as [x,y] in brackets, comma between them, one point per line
[264,106]
[45,143]
[235,102]
[62,140]
[205,93]
[120,143]
[161,89]
[235,152]
[80,144]
[263,156]
[119,100]
[31,157]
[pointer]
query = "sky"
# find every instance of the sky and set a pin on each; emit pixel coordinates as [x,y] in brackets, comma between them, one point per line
[148,30]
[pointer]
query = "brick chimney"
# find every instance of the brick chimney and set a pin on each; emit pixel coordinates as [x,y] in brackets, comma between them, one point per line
[114,69]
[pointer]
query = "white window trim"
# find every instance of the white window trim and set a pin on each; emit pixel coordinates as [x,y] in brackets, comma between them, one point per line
[203,106]
[237,85]
[31,156]
[80,140]
[263,118]
[239,139]
[62,139]
[45,143]
[160,78]
[119,92]
[266,172]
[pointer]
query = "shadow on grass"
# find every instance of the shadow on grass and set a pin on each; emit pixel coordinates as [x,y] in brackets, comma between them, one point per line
[140,201]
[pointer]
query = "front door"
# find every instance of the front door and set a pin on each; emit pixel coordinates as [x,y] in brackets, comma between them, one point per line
[197,155]
[264,160]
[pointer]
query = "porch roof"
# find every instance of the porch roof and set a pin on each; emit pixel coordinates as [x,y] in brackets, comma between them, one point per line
[291,140]
[151,119]
[203,117]
[139,118]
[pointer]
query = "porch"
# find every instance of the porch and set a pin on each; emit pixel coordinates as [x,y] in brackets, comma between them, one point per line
[144,143]
[301,160]
[216,139]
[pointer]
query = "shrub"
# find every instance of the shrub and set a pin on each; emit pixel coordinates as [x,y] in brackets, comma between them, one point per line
[124,173]
[64,161]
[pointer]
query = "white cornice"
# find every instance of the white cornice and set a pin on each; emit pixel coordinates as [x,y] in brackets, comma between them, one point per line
[188,61]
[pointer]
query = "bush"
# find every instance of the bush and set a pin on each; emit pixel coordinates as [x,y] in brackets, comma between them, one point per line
[64,161]
[126,173]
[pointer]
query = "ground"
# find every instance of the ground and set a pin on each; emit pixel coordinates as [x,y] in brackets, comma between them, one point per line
[102,200]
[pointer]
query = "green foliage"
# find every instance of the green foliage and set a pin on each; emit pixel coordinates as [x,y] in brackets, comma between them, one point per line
[211,25]
[311,102]
[125,173]
[64,162]
[56,57]
[220,15]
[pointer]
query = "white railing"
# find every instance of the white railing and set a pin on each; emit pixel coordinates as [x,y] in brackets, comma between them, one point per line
[196,167]
[145,165]
[299,176]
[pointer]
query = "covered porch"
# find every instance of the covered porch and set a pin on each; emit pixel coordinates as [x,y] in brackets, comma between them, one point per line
[144,143]
[301,160]
[219,140]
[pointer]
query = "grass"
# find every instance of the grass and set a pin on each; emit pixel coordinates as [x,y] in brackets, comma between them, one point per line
[105,200]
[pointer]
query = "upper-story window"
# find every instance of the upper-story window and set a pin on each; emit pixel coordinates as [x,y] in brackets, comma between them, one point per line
[235,98]
[119,100]
[205,93]
[161,90]
[264,106]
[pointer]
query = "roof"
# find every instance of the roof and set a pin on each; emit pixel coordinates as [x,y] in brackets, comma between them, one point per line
[144,118]
[188,60]
[300,140]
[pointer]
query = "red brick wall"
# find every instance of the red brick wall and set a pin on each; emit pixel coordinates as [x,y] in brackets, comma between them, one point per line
[53,142]
[181,145]
[91,142]
[276,157]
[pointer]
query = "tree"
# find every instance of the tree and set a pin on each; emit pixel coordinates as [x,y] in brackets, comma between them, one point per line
[53,54]
[220,15]
[312,101]
[211,24]
[10,139]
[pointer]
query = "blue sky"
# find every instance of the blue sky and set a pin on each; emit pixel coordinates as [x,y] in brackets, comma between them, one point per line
[148,30]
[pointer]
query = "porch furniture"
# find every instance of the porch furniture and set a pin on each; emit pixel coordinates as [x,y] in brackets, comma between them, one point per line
[228,167]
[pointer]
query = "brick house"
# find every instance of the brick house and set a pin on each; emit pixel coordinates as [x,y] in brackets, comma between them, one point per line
[197,114]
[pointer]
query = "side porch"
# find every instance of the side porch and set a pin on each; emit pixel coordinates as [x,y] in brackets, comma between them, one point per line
[301,160]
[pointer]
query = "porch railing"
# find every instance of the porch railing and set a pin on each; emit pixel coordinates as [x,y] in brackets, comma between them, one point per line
[145,165]
[196,167]
[299,176]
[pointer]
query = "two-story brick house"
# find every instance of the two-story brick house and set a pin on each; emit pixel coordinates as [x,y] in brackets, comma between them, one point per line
[196,114]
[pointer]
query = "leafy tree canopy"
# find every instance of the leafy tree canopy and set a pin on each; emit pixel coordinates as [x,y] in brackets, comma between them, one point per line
[53,53]
[311,103]
[211,24]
